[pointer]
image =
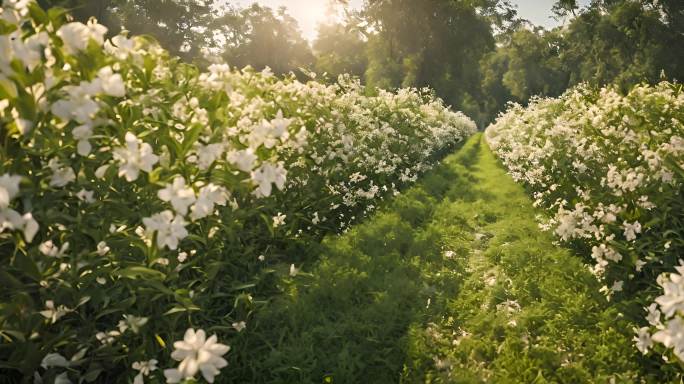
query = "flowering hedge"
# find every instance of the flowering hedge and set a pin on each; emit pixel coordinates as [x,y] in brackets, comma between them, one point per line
[138,193]
[610,168]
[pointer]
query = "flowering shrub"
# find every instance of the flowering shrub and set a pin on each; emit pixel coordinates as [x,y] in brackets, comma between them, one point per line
[138,193]
[610,168]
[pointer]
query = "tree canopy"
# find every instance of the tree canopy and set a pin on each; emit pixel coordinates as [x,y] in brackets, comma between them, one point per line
[476,54]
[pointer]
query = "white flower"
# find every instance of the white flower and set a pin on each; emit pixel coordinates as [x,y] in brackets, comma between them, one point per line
[640,265]
[279,125]
[603,252]
[182,256]
[112,83]
[197,353]
[208,154]
[631,230]
[54,360]
[672,336]
[9,189]
[135,156]
[243,160]
[269,174]
[61,175]
[145,367]
[240,326]
[293,270]
[79,105]
[102,248]
[653,316]
[62,378]
[617,286]
[643,340]
[86,196]
[120,46]
[180,196]
[108,337]
[49,249]
[170,230]
[54,313]
[209,196]
[101,171]
[83,133]
[76,36]
[131,322]
[672,299]
[28,224]
[279,220]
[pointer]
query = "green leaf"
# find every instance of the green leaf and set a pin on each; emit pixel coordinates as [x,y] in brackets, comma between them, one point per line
[143,272]
[181,309]
[6,27]
[26,265]
[37,13]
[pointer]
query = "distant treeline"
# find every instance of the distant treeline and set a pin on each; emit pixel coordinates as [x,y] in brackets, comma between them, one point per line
[476,54]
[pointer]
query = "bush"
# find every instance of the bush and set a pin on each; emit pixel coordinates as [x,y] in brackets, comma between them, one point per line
[610,169]
[142,200]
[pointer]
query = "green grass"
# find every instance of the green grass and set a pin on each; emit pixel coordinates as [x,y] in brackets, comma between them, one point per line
[416,294]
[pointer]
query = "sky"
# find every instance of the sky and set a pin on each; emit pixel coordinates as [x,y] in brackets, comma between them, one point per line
[309,13]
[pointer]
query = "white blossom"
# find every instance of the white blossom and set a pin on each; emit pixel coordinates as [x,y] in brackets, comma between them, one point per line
[86,196]
[144,368]
[76,36]
[672,299]
[631,230]
[9,189]
[643,340]
[112,83]
[672,336]
[209,196]
[240,326]
[54,313]
[170,229]
[134,323]
[266,175]
[135,156]
[178,194]
[61,175]
[196,354]
[279,220]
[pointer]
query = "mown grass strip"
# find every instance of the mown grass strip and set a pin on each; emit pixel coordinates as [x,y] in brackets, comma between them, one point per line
[451,282]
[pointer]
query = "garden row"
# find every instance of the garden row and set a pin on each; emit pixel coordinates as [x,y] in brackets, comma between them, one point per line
[610,169]
[143,201]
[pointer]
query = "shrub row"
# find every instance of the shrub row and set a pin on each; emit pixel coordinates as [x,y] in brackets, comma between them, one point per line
[142,200]
[610,169]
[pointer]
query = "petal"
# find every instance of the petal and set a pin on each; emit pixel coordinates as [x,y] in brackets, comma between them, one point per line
[219,349]
[172,376]
[209,372]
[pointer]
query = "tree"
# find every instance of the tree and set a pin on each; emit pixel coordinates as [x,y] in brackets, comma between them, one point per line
[340,48]
[434,42]
[178,25]
[259,37]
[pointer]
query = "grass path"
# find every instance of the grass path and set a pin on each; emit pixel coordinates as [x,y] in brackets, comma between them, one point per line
[451,282]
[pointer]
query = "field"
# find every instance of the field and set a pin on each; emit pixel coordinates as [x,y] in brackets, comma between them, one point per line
[164,222]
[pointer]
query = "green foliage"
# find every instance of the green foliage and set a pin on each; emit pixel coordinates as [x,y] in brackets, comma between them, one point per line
[178,25]
[340,49]
[260,37]
[622,42]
